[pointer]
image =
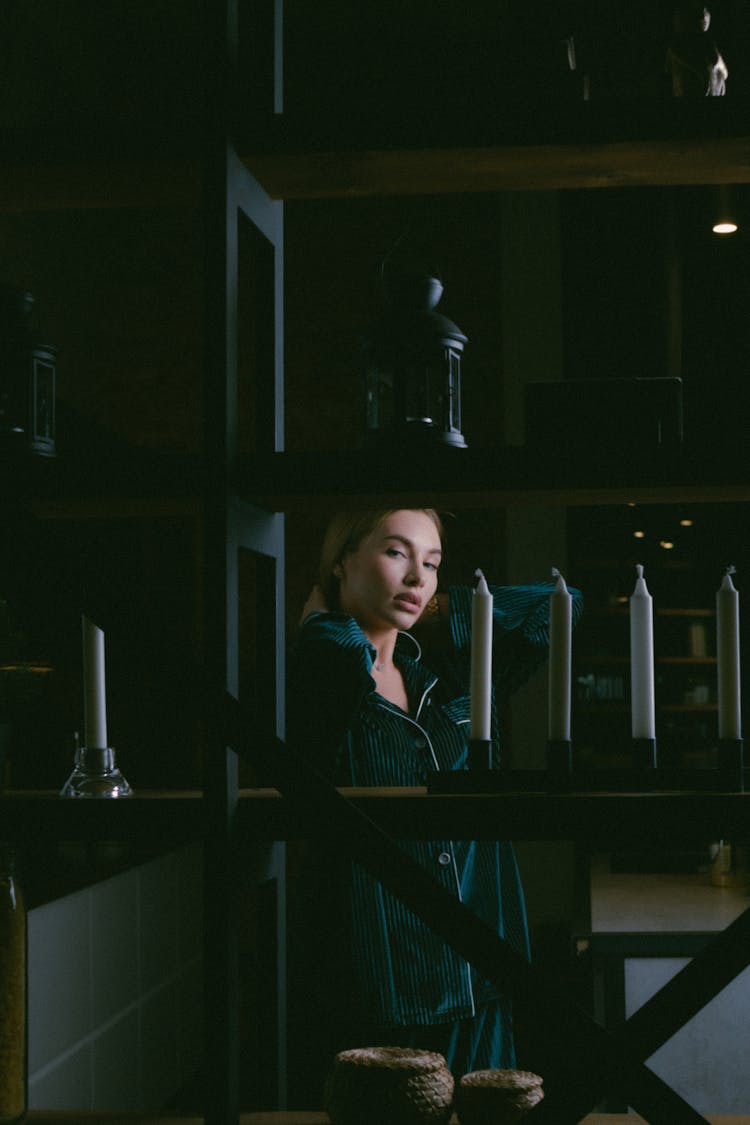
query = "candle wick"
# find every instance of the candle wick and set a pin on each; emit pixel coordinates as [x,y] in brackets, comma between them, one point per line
[478,573]
[555,572]
[639,570]
[731,569]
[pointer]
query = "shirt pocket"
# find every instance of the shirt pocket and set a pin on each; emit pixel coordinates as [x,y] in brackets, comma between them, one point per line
[449,733]
[457,710]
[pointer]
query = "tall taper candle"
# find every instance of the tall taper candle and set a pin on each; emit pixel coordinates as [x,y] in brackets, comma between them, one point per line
[94,693]
[481,660]
[560,629]
[642,660]
[728,653]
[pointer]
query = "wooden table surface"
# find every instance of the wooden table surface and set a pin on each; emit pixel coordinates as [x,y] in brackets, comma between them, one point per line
[74,1117]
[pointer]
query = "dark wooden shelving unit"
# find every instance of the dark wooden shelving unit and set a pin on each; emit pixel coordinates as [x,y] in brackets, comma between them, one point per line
[498,147]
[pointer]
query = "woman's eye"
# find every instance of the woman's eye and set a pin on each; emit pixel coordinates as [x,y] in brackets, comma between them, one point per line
[394,552]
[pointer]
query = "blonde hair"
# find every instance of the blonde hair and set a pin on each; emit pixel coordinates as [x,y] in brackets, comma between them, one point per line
[344,533]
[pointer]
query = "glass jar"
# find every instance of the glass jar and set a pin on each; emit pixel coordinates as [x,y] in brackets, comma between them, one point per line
[13,1038]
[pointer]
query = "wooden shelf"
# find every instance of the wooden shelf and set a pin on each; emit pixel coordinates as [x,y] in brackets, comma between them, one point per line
[493,478]
[610,819]
[152,818]
[624,661]
[128,481]
[484,142]
[506,145]
[596,818]
[660,611]
[290,1117]
[160,483]
[528,167]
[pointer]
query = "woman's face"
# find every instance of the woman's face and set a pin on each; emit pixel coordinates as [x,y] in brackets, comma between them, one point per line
[387,581]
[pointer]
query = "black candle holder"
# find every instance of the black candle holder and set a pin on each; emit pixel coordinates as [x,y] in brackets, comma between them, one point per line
[731,764]
[644,754]
[480,754]
[559,762]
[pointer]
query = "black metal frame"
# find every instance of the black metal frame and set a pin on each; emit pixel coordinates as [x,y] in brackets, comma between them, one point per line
[231,196]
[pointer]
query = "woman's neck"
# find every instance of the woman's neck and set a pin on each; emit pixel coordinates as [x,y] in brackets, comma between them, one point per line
[388,679]
[384,643]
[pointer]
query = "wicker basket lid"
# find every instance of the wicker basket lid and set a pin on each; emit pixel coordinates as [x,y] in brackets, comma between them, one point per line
[502,1080]
[389,1086]
[391,1058]
[497,1097]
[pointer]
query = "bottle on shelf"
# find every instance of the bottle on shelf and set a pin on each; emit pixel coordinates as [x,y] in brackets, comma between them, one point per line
[13,1006]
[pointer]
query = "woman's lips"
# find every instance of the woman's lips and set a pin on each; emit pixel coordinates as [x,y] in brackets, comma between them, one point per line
[408,602]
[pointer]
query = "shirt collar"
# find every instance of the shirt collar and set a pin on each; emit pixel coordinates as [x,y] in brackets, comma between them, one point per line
[407,647]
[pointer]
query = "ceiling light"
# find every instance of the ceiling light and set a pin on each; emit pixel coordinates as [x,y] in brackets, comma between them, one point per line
[725,217]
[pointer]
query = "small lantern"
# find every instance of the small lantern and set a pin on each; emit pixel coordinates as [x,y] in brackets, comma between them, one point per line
[412,366]
[27,379]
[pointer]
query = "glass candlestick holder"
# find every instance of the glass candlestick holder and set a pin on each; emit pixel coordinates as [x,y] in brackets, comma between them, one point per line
[95,774]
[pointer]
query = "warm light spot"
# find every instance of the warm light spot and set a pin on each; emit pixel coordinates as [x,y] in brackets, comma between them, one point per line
[724,228]
[686,523]
[639,534]
[37,669]
[667,544]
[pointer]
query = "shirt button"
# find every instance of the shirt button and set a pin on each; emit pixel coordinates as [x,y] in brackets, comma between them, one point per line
[420,742]
[444,859]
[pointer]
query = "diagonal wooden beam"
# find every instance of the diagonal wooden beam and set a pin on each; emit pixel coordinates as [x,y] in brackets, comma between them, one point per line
[574,1092]
[656,1021]
[682,997]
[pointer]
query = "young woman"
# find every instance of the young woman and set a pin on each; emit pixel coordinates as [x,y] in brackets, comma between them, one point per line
[370,711]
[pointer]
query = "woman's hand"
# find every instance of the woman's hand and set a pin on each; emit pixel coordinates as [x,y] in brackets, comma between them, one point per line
[315,603]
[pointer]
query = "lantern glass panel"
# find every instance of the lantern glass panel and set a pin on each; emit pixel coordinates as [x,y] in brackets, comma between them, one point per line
[43,409]
[379,398]
[421,400]
[453,421]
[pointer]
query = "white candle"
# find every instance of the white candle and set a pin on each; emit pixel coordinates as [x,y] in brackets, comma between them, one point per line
[642,660]
[560,630]
[94,695]
[481,660]
[728,654]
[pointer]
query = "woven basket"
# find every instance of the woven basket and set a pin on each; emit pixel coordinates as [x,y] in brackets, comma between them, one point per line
[497,1097]
[389,1086]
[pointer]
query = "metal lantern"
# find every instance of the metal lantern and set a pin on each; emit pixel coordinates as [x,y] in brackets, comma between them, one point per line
[412,366]
[27,379]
